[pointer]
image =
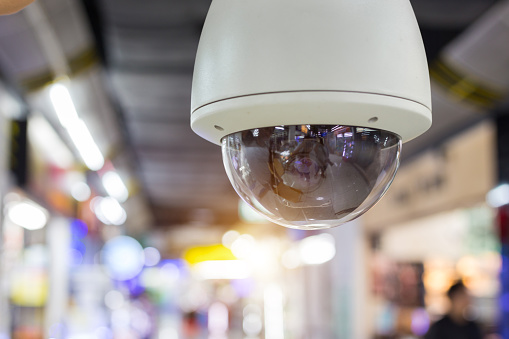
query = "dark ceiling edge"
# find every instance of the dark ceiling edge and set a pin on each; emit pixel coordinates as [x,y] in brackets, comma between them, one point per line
[95,20]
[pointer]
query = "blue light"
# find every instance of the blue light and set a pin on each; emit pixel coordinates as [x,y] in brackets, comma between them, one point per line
[123,257]
[79,229]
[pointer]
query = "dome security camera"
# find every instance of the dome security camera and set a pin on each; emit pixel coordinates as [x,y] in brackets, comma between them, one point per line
[310,102]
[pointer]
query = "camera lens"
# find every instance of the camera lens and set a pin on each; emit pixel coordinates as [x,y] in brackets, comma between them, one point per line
[311,176]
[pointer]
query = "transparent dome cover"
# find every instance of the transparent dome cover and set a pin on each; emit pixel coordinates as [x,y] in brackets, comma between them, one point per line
[311,176]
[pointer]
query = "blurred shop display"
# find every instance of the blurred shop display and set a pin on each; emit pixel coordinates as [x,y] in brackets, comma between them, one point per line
[410,281]
[441,231]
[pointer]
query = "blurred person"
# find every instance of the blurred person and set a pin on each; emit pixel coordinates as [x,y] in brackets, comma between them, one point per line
[13,6]
[454,325]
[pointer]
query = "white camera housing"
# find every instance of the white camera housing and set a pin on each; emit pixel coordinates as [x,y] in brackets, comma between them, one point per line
[267,63]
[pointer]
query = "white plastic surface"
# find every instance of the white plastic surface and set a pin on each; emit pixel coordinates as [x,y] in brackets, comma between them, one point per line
[403,117]
[370,48]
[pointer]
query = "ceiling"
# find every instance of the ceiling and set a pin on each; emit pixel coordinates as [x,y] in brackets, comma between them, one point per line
[147,49]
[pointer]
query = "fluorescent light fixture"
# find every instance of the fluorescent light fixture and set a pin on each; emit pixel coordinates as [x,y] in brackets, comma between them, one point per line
[317,249]
[114,185]
[108,211]
[46,140]
[223,269]
[62,102]
[77,129]
[274,314]
[27,214]
[87,148]
[499,196]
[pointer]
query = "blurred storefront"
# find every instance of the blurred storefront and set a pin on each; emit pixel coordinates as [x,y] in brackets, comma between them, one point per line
[432,229]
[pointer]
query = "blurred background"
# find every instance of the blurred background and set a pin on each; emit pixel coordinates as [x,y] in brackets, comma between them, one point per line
[119,222]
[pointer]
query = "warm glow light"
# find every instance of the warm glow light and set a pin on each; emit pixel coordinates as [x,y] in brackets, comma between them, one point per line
[45,139]
[243,246]
[87,148]
[62,102]
[291,259]
[274,314]
[194,255]
[229,237]
[27,214]
[114,185]
[317,249]
[223,269]
[108,211]
[80,191]
[499,196]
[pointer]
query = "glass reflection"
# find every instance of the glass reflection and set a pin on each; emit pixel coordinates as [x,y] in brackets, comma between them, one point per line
[311,176]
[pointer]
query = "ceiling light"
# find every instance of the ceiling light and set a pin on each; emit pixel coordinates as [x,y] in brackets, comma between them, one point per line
[87,148]
[27,214]
[80,191]
[108,211]
[317,249]
[77,129]
[114,186]
[63,104]
[223,269]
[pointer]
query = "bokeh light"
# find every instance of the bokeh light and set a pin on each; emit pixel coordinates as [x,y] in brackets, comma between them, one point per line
[27,214]
[317,249]
[152,256]
[123,257]
[243,246]
[80,191]
[114,300]
[229,237]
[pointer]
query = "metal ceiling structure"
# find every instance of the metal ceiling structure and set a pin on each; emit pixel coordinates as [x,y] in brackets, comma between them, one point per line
[147,51]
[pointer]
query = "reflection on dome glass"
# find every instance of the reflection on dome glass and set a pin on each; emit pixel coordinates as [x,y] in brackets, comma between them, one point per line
[311,176]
